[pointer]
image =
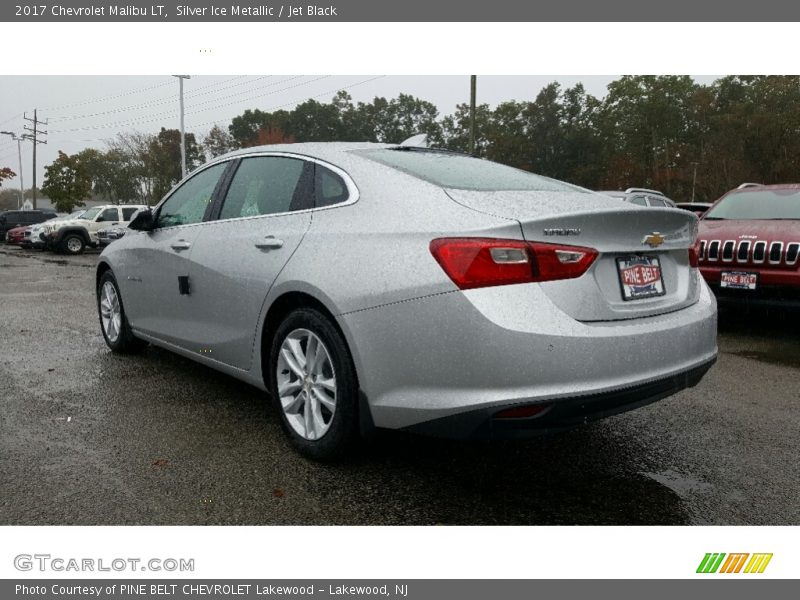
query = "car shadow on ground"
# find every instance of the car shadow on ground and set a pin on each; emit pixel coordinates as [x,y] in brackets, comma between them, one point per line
[766,334]
[587,476]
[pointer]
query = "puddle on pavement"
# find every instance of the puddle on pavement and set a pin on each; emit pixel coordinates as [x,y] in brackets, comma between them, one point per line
[778,356]
[681,484]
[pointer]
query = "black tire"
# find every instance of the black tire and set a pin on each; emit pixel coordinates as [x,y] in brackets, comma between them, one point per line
[126,342]
[74,240]
[342,434]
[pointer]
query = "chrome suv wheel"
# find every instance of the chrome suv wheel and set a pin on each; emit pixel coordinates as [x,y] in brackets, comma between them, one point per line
[73,244]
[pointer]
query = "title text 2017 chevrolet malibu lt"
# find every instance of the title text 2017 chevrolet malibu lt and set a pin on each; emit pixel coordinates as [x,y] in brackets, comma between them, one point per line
[367,285]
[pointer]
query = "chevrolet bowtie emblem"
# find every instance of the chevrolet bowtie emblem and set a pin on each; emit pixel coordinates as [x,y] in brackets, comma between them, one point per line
[654,240]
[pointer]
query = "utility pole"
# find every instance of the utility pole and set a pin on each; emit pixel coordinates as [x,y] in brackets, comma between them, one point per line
[33,136]
[18,139]
[694,178]
[473,81]
[183,134]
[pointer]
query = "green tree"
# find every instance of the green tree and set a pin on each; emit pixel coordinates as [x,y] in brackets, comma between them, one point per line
[218,142]
[163,159]
[67,182]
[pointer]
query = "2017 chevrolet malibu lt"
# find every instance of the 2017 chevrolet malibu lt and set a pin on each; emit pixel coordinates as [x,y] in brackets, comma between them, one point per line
[368,285]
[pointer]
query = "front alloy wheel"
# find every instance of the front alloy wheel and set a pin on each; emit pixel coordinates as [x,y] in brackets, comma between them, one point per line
[110,311]
[113,323]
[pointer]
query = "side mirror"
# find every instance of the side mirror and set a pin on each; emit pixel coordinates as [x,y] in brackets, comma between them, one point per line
[142,220]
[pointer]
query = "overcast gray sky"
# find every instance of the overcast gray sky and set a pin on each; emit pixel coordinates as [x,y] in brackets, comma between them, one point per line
[84,111]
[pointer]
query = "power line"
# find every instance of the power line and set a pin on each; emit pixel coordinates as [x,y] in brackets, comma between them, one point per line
[11,119]
[159,101]
[293,102]
[197,125]
[158,116]
[104,98]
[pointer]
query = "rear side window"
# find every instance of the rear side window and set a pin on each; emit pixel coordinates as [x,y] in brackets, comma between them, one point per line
[639,200]
[127,213]
[109,214]
[657,202]
[265,185]
[329,188]
[459,171]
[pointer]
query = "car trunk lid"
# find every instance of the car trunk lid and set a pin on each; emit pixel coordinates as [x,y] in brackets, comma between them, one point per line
[627,237]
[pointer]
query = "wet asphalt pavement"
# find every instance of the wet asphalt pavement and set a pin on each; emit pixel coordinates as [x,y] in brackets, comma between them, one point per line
[90,438]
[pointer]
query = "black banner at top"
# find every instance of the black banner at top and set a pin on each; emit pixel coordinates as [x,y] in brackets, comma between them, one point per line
[402,11]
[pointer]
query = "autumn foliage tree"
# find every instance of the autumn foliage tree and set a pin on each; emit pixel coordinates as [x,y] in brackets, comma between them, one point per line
[6,173]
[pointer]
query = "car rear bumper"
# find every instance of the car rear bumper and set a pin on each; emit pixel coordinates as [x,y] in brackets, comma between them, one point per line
[767,295]
[482,351]
[563,414]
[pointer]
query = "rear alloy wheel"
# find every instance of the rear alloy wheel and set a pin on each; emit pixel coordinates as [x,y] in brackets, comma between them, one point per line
[73,244]
[313,385]
[113,323]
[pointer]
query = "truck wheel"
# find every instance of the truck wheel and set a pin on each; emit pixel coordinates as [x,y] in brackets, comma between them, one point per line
[73,244]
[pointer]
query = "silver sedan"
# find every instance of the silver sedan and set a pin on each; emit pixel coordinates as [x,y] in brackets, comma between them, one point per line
[375,286]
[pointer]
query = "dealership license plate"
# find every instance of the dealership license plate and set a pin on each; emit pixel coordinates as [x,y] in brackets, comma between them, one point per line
[738,280]
[640,277]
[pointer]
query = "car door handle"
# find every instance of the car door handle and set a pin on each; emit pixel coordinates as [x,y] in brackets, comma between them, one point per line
[270,243]
[180,245]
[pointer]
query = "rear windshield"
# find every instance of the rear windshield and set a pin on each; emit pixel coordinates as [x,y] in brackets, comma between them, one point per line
[464,172]
[761,204]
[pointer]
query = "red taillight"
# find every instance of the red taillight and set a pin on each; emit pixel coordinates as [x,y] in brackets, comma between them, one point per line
[483,262]
[521,412]
[694,253]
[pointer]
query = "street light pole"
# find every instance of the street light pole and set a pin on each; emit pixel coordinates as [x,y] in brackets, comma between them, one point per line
[472,85]
[183,134]
[694,179]
[18,139]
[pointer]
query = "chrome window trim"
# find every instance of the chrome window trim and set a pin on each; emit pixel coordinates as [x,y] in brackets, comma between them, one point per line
[352,190]
[755,247]
[769,254]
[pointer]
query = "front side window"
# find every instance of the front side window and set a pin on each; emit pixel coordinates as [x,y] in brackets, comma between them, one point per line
[265,185]
[90,214]
[187,205]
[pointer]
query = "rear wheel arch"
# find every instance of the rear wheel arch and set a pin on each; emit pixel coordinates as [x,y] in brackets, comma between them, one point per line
[277,312]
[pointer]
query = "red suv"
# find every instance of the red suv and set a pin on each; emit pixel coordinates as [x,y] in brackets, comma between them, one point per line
[16,235]
[749,242]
